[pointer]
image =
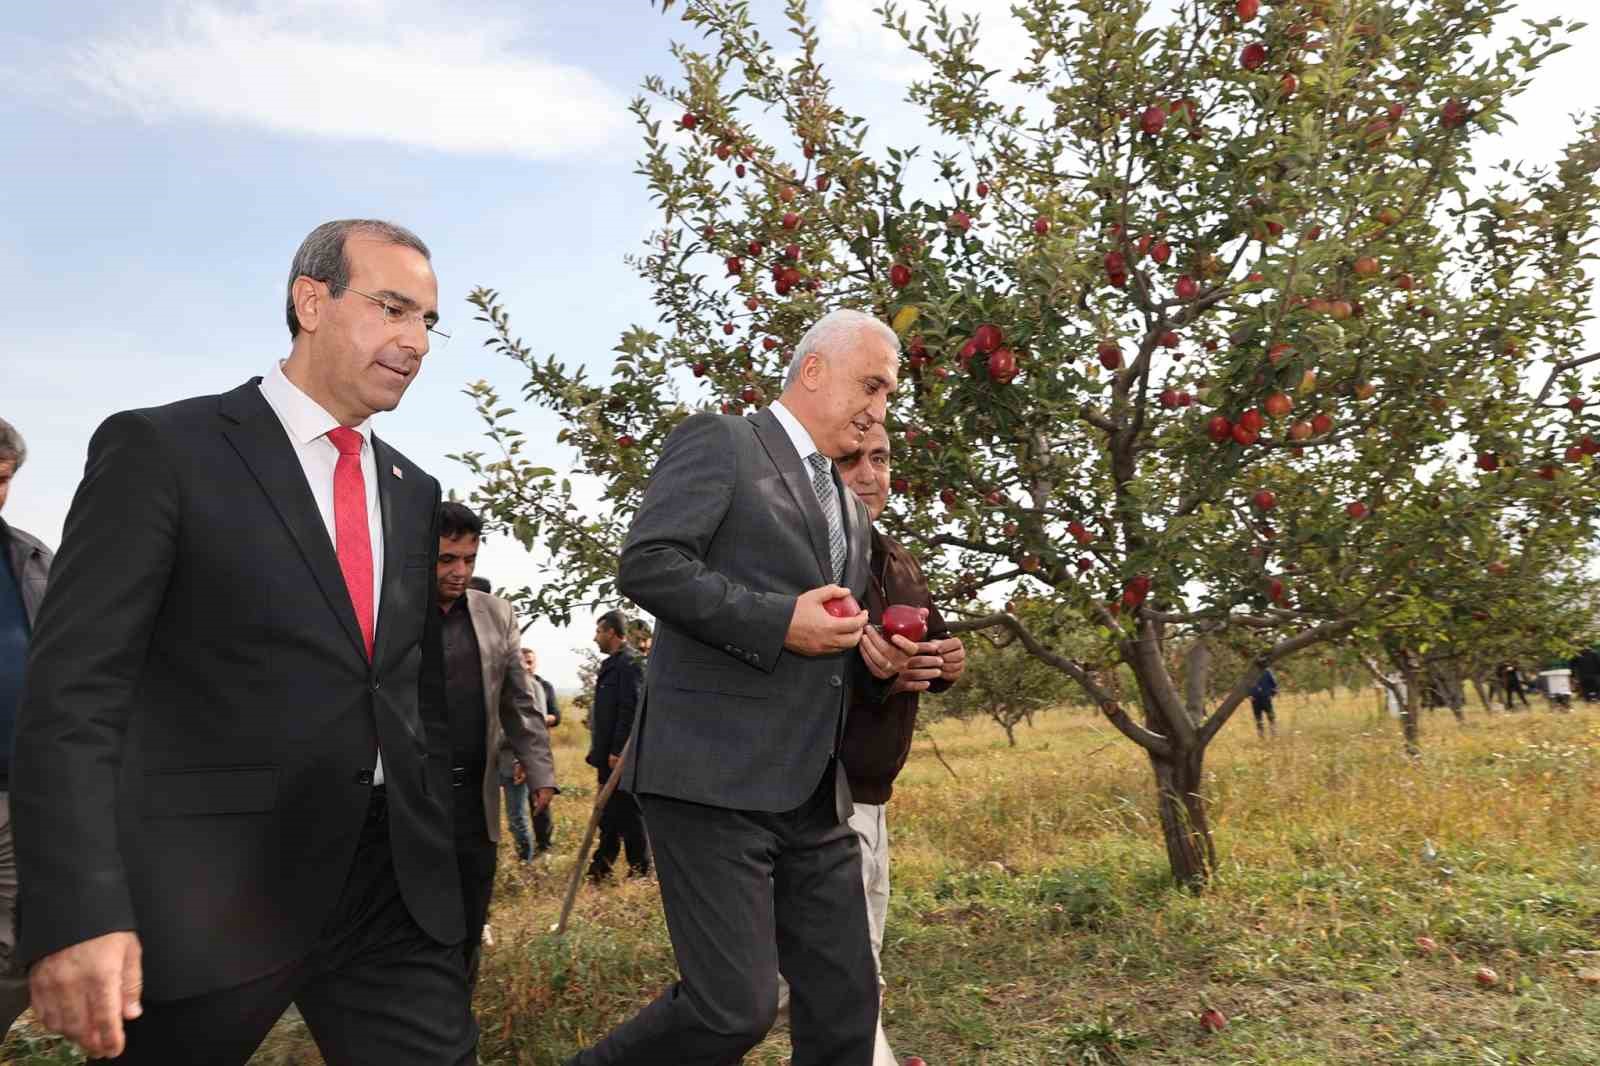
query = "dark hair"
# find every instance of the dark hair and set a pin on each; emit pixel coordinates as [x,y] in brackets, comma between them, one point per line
[322,257]
[11,445]
[639,627]
[456,518]
[615,621]
[480,583]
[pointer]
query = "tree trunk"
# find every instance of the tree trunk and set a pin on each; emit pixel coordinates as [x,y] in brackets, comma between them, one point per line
[1411,713]
[1483,696]
[1190,851]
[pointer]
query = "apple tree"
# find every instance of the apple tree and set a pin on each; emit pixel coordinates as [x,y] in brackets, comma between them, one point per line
[1195,308]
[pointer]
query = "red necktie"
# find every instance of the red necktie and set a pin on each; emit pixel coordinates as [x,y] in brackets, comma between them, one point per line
[352,533]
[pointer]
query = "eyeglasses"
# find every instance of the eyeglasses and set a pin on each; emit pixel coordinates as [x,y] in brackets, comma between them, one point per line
[397,315]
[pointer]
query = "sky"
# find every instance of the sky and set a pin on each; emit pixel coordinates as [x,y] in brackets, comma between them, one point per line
[166,157]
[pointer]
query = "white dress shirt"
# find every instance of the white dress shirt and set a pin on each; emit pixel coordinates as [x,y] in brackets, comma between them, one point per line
[807,447]
[307,424]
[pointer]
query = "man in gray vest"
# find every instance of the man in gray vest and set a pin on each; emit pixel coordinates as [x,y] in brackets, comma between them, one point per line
[744,533]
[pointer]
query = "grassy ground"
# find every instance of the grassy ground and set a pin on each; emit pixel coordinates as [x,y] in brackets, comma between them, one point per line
[1033,921]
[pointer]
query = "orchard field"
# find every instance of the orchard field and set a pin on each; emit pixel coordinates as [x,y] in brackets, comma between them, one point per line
[1034,918]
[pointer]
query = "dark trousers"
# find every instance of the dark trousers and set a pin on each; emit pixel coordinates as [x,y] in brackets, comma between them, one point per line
[1261,706]
[1514,688]
[621,828]
[747,894]
[544,827]
[476,858]
[375,988]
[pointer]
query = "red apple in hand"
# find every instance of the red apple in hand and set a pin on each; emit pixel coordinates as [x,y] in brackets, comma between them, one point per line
[843,607]
[900,620]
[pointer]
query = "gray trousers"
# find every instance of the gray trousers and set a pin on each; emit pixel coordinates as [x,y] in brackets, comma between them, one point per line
[13,986]
[745,893]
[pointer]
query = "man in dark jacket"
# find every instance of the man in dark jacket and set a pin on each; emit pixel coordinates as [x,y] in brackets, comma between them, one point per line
[617,691]
[877,736]
[1261,696]
[24,566]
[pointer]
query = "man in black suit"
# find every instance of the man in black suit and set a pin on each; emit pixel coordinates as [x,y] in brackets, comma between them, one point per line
[228,787]
[744,533]
[618,688]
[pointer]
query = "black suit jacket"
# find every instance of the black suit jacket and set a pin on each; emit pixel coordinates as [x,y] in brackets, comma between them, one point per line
[618,688]
[728,535]
[194,751]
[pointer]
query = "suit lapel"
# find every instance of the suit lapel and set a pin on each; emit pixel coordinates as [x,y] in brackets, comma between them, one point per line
[858,536]
[396,536]
[770,432]
[264,446]
[483,629]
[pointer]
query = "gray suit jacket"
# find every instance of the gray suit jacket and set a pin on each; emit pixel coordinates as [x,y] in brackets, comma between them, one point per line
[513,706]
[30,562]
[728,536]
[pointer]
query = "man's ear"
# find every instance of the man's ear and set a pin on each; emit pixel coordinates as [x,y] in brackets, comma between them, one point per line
[309,302]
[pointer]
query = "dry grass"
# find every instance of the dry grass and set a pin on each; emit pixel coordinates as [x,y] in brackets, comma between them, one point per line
[1033,921]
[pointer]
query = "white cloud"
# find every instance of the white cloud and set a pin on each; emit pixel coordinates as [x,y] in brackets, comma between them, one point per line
[373,70]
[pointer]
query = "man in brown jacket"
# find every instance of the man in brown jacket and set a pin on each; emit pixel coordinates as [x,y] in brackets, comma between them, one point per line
[877,736]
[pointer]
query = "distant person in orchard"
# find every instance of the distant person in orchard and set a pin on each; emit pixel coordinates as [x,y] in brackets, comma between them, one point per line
[618,689]
[1261,697]
[640,636]
[518,810]
[1511,680]
[877,736]
[745,532]
[225,785]
[492,703]
[24,570]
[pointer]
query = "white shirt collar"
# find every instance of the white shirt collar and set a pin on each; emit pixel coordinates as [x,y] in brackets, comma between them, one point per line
[303,417]
[797,433]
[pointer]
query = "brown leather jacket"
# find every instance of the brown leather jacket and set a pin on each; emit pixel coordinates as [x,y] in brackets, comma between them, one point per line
[877,736]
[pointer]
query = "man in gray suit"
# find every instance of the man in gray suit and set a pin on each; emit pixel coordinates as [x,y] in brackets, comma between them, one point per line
[24,568]
[744,533]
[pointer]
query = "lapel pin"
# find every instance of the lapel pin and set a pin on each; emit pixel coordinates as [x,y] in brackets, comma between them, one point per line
[396,471]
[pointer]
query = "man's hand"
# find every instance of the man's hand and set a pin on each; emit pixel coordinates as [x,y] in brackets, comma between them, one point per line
[541,799]
[518,774]
[813,631]
[85,992]
[921,670]
[953,655]
[612,760]
[886,657]
[550,721]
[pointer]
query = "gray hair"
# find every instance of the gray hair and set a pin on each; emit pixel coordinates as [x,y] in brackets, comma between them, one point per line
[12,446]
[321,256]
[832,330]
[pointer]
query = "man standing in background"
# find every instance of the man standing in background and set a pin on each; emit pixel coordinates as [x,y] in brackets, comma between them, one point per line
[24,567]
[618,688]
[877,736]
[491,703]
[543,819]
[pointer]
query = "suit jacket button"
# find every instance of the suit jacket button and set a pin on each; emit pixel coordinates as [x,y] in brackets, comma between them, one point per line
[364,777]
[834,681]
[376,685]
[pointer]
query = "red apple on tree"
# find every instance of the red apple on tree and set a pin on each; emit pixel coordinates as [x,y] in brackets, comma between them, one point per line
[1186,288]
[1253,56]
[988,337]
[1265,499]
[1247,9]
[960,220]
[900,275]
[1356,510]
[1002,365]
[1041,225]
[1219,429]
[1110,355]
[1161,251]
[1278,405]
[1152,119]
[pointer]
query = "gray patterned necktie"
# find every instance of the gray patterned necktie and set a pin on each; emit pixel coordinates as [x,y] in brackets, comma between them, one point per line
[822,484]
